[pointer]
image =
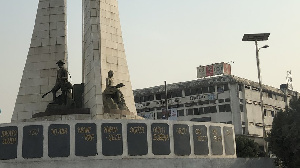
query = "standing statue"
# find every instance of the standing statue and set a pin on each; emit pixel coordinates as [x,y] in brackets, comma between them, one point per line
[62,84]
[113,97]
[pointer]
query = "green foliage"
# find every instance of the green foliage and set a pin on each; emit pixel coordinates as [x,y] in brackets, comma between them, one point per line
[247,148]
[284,139]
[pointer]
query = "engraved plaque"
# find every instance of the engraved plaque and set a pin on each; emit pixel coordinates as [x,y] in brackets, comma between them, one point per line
[216,140]
[85,139]
[200,140]
[8,142]
[137,139]
[182,145]
[160,139]
[33,138]
[228,141]
[59,140]
[112,139]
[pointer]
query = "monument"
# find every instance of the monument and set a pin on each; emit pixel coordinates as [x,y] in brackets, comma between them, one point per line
[93,123]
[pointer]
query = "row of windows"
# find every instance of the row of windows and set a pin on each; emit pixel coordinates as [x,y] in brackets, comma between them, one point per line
[266,94]
[195,111]
[227,100]
[178,93]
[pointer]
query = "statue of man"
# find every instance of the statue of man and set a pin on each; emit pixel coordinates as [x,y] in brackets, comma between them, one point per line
[113,96]
[61,80]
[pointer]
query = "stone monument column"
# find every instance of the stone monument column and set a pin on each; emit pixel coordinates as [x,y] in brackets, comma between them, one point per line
[103,50]
[48,45]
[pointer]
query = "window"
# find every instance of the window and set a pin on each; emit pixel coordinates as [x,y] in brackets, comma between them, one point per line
[221,100]
[190,111]
[227,100]
[241,108]
[211,89]
[194,91]
[227,108]
[205,90]
[273,113]
[197,111]
[221,108]
[265,112]
[240,87]
[180,112]
[187,92]
[212,109]
[270,95]
[159,115]
[226,87]
[206,110]
[158,96]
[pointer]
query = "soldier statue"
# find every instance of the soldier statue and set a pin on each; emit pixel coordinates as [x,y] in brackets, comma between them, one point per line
[61,83]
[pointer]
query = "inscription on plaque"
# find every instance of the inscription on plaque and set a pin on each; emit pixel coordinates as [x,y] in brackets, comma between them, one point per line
[85,139]
[182,145]
[137,139]
[160,139]
[112,141]
[33,138]
[8,142]
[228,141]
[59,140]
[216,140]
[200,140]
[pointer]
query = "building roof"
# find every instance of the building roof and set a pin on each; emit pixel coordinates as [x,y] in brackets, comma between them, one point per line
[215,80]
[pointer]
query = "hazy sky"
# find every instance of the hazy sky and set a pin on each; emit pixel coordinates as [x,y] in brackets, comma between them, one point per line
[167,40]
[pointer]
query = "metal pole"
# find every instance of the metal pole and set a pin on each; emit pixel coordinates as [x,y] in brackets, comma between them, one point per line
[261,98]
[166,100]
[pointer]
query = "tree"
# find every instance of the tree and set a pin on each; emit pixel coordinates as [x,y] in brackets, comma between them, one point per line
[247,148]
[284,139]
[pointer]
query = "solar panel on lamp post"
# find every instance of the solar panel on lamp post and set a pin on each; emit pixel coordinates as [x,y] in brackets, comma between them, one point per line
[259,37]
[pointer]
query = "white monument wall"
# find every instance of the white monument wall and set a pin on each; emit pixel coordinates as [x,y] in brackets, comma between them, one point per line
[103,50]
[48,45]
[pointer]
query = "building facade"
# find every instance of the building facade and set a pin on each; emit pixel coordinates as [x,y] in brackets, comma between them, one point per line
[220,99]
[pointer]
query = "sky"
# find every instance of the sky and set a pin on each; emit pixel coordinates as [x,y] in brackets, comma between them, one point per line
[165,40]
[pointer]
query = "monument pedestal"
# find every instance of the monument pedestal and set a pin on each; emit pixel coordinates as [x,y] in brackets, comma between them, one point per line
[69,140]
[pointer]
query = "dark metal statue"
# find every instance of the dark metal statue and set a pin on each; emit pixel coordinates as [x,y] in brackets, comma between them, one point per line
[62,84]
[113,97]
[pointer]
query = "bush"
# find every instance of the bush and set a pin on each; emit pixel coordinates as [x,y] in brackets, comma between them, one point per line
[247,148]
[284,139]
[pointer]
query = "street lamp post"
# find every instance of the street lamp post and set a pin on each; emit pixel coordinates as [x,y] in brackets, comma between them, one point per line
[259,37]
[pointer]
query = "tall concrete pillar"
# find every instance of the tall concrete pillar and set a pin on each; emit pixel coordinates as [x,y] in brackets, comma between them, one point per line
[103,50]
[48,45]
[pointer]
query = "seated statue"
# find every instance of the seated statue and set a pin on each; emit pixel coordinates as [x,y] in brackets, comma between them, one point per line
[112,96]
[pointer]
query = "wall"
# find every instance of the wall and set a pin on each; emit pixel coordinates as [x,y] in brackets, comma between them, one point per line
[146,163]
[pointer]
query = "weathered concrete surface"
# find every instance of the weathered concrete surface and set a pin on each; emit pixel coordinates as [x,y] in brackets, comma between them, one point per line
[145,163]
[48,45]
[103,50]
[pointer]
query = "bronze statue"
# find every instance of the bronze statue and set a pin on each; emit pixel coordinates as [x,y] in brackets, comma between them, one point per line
[113,97]
[61,83]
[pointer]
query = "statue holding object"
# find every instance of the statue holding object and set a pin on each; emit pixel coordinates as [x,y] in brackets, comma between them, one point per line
[63,84]
[113,98]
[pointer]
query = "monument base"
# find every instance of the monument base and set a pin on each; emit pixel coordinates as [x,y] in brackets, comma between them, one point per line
[55,109]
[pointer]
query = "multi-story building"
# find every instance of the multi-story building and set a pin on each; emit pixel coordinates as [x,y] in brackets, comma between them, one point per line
[220,99]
